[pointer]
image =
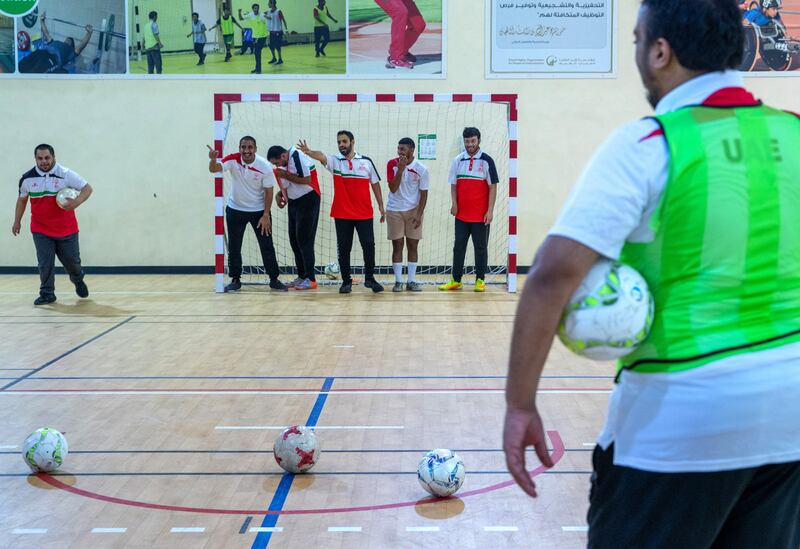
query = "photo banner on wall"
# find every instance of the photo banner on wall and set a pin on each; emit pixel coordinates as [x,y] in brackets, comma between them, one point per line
[771,37]
[550,39]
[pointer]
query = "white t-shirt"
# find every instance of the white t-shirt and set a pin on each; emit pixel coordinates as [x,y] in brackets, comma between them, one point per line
[300,165]
[415,179]
[737,412]
[248,182]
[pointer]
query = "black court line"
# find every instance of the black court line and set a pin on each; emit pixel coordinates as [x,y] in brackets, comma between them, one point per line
[51,362]
[246,523]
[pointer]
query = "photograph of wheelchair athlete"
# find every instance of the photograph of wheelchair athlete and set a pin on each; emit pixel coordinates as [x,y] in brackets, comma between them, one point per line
[772,35]
[235,33]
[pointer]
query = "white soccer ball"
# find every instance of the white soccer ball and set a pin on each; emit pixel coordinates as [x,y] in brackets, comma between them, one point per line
[296,449]
[45,450]
[332,270]
[65,194]
[441,472]
[609,314]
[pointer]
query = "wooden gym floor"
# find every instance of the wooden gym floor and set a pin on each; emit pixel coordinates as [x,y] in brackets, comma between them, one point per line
[170,397]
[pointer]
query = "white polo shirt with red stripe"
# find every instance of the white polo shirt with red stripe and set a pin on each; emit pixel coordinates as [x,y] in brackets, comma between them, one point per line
[733,413]
[472,176]
[41,188]
[301,165]
[415,179]
[351,186]
[248,182]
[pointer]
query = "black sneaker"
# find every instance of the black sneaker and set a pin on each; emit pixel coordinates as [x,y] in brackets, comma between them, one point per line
[280,62]
[398,287]
[278,286]
[234,286]
[44,300]
[255,72]
[274,61]
[374,285]
[81,289]
[346,288]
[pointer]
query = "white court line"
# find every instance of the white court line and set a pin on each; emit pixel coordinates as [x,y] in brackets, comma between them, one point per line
[315,428]
[422,528]
[189,530]
[109,530]
[575,528]
[590,444]
[259,529]
[284,393]
[500,529]
[344,528]
[8,446]
[29,531]
[343,346]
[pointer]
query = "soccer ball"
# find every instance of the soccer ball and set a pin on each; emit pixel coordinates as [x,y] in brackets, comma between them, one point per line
[441,472]
[609,314]
[296,449]
[332,270]
[45,450]
[65,194]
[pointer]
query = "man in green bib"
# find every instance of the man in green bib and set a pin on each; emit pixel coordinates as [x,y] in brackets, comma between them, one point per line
[258,22]
[226,24]
[152,43]
[701,446]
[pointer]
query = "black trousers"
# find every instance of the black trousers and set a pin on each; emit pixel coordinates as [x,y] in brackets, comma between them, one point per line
[322,35]
[259,45]
[154,61]
[237,223]
[68,252]
[750,508]
[303,219]
[199,49]
[480,241]
[275,42]
[344,243]
[247,46]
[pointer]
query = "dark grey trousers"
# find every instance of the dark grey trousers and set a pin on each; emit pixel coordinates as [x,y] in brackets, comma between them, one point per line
[67,250]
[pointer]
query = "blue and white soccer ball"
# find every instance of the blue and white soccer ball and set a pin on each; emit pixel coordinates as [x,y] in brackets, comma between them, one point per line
[45,450]
[332,270]
[441,472]
[609,314]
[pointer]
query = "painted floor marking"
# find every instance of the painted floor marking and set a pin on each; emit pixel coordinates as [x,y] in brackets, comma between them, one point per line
[109,530]
[188,530]
[590,444]
[29,531]
[258,529]
[500,529]
[8,446]
[422,528]
[338,392]
[344,528]
[315,428]
[344,346]
[575,528]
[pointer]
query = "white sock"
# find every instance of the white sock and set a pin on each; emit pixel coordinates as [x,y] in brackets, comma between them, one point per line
[412,271]
[398,272]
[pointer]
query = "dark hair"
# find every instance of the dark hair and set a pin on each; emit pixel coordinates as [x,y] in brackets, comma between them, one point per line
[248,138]
[349,134]
[42,147]
[707,35]
[407,141]
[275,151]
[194,13]
[471,132]
[152,14]
[254,6]
[70,40]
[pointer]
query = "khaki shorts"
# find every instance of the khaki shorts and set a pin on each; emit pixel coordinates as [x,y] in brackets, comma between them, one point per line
[400,224]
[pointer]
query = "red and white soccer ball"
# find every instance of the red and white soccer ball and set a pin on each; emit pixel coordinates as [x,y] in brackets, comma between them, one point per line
[296,449]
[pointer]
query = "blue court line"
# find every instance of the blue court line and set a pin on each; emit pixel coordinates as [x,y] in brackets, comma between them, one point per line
[279,498]
[84,344]
[284,378]
[283,488]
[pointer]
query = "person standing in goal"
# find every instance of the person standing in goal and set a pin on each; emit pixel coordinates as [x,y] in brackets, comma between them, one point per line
[249,201]
[408,193]
[473,189]
[353,175]
[303,196]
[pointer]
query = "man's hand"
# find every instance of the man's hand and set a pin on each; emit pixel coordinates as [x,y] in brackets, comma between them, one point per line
[280,200]
[524,428]
[265,224]
[213,154]
[70,204]
[487,219]
[15,228]
[402,162]
[383,214]
[303,146]
[453,210]
[89,29]
[416,221]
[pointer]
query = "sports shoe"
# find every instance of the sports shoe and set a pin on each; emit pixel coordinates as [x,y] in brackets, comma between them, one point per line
[399,64]
[44,300]
[374,285]
[273,61]
[277,285]
[234,286]
[295,282]
[313,284]
[280,62]
[305,285]
[408,56]
[480,285]
[398,287]
[346,288]
[413,286]
[81,289]
[452,285]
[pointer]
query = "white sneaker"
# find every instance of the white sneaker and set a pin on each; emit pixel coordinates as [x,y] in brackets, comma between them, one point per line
[295,282]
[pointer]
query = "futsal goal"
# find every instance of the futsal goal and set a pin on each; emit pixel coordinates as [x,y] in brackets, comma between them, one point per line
[378,121]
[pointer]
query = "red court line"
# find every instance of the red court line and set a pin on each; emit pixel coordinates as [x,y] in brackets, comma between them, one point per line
[555,438]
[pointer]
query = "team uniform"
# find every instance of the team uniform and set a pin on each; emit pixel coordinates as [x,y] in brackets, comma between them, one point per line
[55,231]
[322,32]
[154,64]
[352,209]
[275,23]
[472,176]
[402,205]
[702,428]
[226,27]
[245,205]
[304,202]
[258,22]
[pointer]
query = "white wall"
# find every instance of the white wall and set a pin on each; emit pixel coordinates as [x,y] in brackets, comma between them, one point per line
[142,143]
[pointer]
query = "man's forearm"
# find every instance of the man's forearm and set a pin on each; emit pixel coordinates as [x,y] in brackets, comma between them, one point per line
[319,156]
[376,189]
[19,211]
[394,184]
[492,198]
[423,201]
[268,200]
[84,195]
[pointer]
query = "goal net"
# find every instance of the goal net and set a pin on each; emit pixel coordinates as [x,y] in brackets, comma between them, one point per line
[377,126]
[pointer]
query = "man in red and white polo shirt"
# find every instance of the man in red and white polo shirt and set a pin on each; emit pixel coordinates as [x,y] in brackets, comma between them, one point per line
[473,189]
[54,227]
[408,193]
[353,175]
[252,183]
[299,179]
